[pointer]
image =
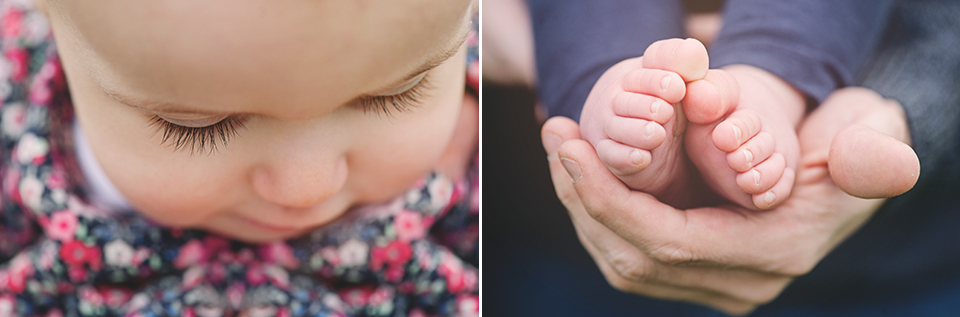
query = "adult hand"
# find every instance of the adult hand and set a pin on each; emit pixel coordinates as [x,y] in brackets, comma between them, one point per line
[728,257]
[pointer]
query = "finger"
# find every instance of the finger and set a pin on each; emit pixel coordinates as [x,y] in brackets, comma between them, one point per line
[627,282]
[637,133]
[869,164]
[639,106]
[757,150]
[622,159]
[654,82]
[554,133]
[762,177]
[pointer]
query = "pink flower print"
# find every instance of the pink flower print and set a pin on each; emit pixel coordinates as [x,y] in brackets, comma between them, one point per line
[381,295]
[188,312]
[416,312]
[330,255]
[77,273]
[353,253]
[234,294]
[245,256]
[277,275]
[440,191]
[282,312]
[214,244]
[16,283]
[217,273]
[409,225]
[62,226]
[279,253]
[32,149]
[8,305]
[192,277]
[54,313]
[18,59]
[73,252]
[393,273]
[138,302]
[13,118]
[452,270]
[90,295]
[12,21]
[140,255]
[31,192]
[356,296]
[255,274]
[261,311]
[394,254]
[57,178]
[190,253]
[468,305]
[114,296]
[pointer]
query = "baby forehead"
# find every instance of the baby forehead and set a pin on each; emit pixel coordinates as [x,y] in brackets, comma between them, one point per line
[347,43]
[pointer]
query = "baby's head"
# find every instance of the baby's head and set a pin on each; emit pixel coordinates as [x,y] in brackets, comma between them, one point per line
[263,119]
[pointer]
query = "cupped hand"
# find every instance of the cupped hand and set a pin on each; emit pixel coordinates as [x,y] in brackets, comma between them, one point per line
[728,257]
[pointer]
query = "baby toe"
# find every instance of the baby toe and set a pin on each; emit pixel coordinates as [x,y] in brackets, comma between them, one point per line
[622,160]
[711,98]
[737,129]
[688,58]
[764,176]
[638,106]
[638,133]
[754,151]
[658,83]
[778,193]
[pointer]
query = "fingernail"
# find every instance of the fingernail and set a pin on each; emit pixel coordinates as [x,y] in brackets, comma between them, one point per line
[650,129]
[737,134]
[551,144]
[655,106]
[749,156]
[665,82]
[756,177]
[573,168]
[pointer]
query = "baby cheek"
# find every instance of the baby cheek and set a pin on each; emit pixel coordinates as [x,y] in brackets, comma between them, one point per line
[173,198]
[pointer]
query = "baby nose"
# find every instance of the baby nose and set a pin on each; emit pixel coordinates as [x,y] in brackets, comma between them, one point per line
[299,183]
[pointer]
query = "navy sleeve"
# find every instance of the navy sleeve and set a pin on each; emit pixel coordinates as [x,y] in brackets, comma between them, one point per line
[817,46]
[576,41]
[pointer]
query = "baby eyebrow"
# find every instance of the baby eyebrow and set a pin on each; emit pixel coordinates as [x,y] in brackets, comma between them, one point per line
[448,52]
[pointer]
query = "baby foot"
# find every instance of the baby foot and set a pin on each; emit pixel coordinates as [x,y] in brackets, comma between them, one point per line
[742,134]
[630,118]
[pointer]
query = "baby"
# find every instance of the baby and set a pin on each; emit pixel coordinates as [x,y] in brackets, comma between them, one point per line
[737,125]
[257,122]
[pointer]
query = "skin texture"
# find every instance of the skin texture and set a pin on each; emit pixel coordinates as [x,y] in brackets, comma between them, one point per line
[711,255]
[295,72]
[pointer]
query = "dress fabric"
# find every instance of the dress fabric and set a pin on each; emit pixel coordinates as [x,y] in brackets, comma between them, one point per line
[63,256]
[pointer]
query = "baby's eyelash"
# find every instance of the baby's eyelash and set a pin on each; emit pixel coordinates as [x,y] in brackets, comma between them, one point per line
[198,139]
[400,102]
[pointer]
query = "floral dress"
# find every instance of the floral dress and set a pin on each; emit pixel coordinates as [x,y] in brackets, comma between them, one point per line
[61,256]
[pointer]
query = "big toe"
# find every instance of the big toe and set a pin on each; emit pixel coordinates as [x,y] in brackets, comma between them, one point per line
[688,58]
[709,99]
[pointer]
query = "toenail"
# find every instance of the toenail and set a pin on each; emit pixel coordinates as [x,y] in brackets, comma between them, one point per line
[636,158]
[650,129]
[769,197]
[749,156]
[737,133]
[756,177]
[655,106]
[665,82]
